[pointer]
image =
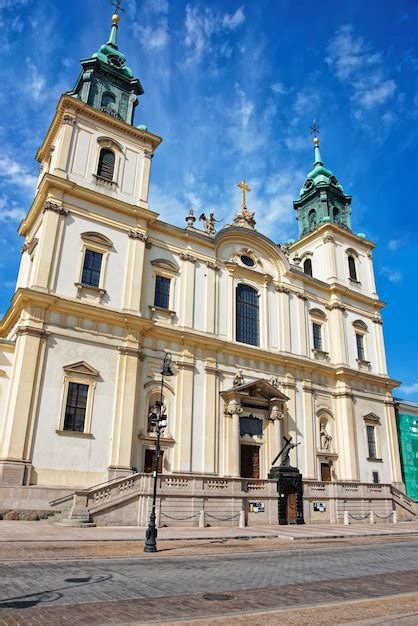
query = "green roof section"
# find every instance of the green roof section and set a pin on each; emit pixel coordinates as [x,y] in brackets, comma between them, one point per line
[106,82]
[322,198]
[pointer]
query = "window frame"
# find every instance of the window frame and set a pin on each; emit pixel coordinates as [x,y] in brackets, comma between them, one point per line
[162,277]
[100,162]
[352,255]
[81,374]
[372,421]
[256,292]
[361,330]
[318,318]
[308,260]
[95,242]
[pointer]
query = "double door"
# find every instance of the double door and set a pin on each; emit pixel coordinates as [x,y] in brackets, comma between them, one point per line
[250,461]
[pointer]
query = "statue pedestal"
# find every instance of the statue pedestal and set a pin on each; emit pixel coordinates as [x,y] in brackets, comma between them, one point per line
[290,490]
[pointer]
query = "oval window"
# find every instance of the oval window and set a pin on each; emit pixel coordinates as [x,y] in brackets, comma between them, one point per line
[247,260]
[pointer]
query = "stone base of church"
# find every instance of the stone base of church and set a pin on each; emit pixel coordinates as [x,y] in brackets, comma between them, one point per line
[14,472]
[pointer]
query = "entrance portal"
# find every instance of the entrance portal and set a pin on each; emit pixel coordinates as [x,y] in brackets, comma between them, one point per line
[290,505]
[326,472]
[250,461]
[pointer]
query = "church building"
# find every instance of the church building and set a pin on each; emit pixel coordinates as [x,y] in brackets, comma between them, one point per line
[266,340]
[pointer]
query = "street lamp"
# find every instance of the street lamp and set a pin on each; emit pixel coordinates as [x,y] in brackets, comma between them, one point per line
[160,421]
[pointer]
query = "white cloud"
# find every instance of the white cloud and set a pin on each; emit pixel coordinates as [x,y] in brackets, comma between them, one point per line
[307,101]
[37,82]
[395,244]
[10,212]
[408,389]
[202,25]
[13,172]
[153,38]
[354,62]
[296,143]
[156,6]
[392,275]
[278,88]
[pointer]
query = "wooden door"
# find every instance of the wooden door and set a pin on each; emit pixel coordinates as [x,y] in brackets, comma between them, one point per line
[326,472]
[149,462]
[291,513]
[250,461]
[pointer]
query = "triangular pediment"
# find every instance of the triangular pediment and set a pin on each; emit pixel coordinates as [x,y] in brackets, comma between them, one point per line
[81,367]
[262,389]
[372,417]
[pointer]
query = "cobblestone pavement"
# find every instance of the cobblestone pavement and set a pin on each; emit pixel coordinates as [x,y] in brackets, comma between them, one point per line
[147,589]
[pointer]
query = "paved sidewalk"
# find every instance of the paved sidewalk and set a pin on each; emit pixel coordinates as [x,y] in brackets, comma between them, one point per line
[44,531]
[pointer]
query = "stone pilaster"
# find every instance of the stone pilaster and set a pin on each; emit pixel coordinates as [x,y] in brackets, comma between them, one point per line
[210,460]
[289,388]
[184,414]
[309,443]
[211,296]
[134,271]
[65,139]
[48,247]
[187,289]
[233,454]
[338,334]
[284,319]
[303,322]
[377,334]
[346,429]
[329,243]
[146,171]
[392,437]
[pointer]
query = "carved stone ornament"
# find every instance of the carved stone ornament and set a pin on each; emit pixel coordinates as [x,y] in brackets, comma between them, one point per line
[188,257]
[325,438]
[377,319]
[276,413]
[190,219]
[234,408]
[238,379]
[137,234]
[68,119]
[282,289]
[212,265]
[244,218]
[56,208]
[302,296]
[335,305]
[328,238]
[148,154]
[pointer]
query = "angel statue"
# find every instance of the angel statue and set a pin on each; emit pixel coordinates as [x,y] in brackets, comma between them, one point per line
[209,223]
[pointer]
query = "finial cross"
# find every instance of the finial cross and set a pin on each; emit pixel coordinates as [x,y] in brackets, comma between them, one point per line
[244,188]
[117,5]
[315,128]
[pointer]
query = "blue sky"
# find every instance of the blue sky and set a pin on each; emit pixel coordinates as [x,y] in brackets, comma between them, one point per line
[232,87]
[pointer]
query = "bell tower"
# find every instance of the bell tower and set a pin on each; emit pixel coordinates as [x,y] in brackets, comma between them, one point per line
[322,198]
[106,82]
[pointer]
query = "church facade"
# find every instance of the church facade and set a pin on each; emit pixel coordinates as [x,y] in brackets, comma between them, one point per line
[266,340]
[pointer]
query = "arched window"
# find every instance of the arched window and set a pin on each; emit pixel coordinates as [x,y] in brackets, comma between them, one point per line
[247,326]
[312,219]
[106,164]
[108,98]
[307,267]
[336,215]
[352,268]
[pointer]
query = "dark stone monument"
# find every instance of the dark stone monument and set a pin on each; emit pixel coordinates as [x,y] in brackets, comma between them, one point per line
[289,486]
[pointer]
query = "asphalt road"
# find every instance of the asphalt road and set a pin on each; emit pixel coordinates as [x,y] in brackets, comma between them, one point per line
[37,584]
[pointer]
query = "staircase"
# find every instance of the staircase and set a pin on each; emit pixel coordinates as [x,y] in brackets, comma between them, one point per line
[406,507]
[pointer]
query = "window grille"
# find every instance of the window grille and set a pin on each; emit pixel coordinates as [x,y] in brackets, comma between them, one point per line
[75,409]
[247,326]
[317,336]
[162,292]
[106,164]
[352,268]
[371,442]
[91,268]
[360,347]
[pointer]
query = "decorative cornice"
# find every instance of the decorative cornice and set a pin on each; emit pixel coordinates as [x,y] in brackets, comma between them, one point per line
[185,256]
[329,238]
[213,265]
[33,332]
[377,320]
[335,305]
[301,296]
[55,207]
[68,119]
[184,365]
[125,350]
[233,408]
[282,289]
[148,154]
[136,234]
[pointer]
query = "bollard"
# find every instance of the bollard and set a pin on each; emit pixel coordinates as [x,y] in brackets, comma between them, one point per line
[346,520]
[395,516]
[202,519]
[242,519]
[371,520]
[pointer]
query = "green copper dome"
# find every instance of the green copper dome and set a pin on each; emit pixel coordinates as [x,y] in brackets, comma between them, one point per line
[107,83]
[322,199]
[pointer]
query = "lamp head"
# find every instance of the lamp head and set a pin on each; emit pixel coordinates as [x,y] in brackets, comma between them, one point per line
[167,371]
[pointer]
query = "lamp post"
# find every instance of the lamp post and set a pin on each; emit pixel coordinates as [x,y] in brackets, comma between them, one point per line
[160,420]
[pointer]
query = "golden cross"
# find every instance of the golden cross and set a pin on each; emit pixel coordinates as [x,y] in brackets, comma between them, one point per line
[244,188]
[117,4]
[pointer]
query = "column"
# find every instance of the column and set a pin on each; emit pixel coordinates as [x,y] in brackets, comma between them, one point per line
[211,296]
[377,332]
[370,273]
[338,334]
[303,335]
[53,222]
[393,444]
[210,461]
[231,301]
[234,410]
[146,171]
[289,388]
[284,319]
[309,439]
[264,318]
[184,414]
[345,422]
[20,413]
[329,243]
[187,289]
[276,417]
[68,123]
[124,422]
[134,271]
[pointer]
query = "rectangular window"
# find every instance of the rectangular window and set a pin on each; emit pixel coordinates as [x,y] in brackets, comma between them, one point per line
[371,442]
[162,292]
[91,268]
[317,336]
[376,477]
[75,408]
[360,347]
[247,315]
